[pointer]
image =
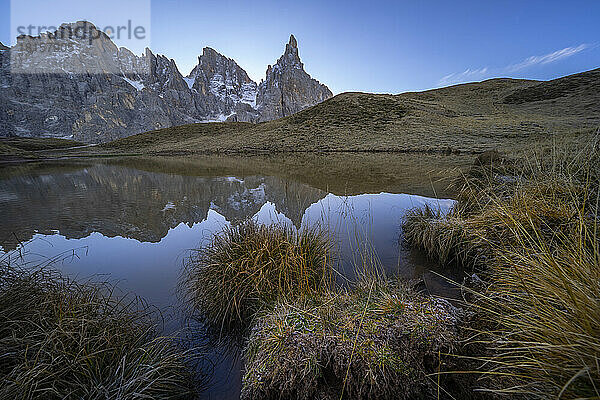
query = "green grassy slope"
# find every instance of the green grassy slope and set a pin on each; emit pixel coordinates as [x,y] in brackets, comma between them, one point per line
[469,118]
[22,147]
[495,114]
[38,144]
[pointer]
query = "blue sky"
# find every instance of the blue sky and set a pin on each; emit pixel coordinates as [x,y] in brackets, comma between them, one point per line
[377,46]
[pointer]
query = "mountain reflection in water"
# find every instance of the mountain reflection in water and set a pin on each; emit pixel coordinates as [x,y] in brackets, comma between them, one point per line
[134,221]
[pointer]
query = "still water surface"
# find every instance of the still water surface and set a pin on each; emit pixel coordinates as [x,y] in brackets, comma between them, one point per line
[134,221]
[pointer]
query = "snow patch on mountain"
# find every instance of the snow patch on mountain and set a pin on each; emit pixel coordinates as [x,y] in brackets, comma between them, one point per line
[189,81]
[139,85]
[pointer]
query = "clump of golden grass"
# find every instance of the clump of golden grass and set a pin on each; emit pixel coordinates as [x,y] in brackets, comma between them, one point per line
[445,238]
[60,339]
[548,187]
[540,310]
[543,308]
[249,266]
[380,340]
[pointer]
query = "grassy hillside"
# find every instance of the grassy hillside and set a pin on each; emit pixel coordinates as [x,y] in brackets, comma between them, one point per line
[468,118]
[22,147]
[39,144]
[498,113]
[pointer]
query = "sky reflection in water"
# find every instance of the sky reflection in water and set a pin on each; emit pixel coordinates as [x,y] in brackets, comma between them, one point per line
[136,228]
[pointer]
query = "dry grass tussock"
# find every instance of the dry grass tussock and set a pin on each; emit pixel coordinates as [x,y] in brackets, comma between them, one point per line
[60,339]
[248,267]
[533,230]
[380,340]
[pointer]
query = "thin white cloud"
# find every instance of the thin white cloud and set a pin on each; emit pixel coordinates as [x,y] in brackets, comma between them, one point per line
[547,58]
[465,76]
[470,75]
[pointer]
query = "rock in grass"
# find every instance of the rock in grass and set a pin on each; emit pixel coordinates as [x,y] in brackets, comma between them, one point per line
[489,158]
[381,341]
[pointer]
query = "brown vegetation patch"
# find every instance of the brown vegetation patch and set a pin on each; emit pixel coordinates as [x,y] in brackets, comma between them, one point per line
[380,341]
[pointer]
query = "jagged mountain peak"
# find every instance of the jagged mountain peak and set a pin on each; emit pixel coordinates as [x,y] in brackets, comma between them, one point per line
[211,61]
[291,57]
[293,42]
[210,56]
[287,88]
[94,91]
[83,32]
[210,52]
[226,85]
[82,24]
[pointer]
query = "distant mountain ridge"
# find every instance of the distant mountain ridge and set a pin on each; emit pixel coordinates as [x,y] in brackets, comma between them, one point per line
[121,94]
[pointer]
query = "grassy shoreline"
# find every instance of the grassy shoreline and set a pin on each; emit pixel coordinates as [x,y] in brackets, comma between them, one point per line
[530,229]
[165,144]
[24,157]
[62,339]
[269,289]
[527,226]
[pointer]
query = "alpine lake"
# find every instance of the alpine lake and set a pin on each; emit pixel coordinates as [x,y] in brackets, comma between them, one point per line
[134,221]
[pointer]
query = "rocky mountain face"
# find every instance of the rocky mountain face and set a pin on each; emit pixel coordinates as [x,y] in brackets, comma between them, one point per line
[225,86]
[287,88]
[93,91]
